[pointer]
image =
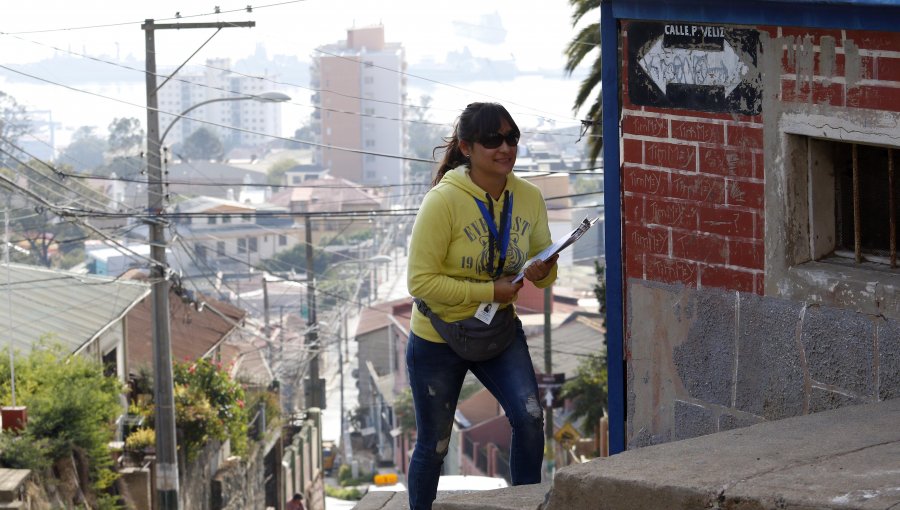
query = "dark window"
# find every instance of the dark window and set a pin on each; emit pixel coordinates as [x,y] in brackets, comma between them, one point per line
[865,212]
[253,245]
[242,245]
[220,248]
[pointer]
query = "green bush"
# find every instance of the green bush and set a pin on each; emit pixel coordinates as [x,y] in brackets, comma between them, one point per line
[71,405]
[23,451]
[350,493]
[209,404]
[140,439]
[345,477]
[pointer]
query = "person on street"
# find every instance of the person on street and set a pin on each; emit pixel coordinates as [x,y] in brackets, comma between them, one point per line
[474,232]
[296,503]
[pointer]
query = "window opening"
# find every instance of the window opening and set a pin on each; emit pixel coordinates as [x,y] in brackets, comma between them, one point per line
[865,200]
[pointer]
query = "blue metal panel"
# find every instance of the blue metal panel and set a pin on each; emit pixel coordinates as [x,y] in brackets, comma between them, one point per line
[846,14]
[615,341]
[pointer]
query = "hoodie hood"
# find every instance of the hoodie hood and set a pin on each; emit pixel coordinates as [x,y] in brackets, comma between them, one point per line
[459,178]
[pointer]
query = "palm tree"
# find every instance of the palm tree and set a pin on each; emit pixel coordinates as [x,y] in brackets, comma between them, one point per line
[585,42]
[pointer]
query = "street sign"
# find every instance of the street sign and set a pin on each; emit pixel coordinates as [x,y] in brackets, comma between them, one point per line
[567,435]
[549,386]
[695,66]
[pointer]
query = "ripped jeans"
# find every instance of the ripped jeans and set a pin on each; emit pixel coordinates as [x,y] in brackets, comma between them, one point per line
[436,375]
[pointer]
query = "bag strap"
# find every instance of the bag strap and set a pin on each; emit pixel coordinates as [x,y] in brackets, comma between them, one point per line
[423,308]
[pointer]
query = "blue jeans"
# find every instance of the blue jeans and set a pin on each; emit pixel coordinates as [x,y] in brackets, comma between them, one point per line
[436,375]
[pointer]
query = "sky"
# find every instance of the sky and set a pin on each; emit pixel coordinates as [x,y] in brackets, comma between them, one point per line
[533,33]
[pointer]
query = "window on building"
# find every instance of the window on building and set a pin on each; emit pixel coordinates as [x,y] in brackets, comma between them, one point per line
[370,143]
[369,111]
[211,220]
[831,217]
[226,218]
[246,218]
[200,251]
[254,244]
[282,240]
[242,245]
[368,80]
[866,190]
[852,209]
[220,248]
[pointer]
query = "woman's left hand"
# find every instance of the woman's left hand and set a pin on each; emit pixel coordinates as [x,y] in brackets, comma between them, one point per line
[538,270]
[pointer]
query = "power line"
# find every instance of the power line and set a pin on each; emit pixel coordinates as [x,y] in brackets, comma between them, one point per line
[178,16]
[320,90]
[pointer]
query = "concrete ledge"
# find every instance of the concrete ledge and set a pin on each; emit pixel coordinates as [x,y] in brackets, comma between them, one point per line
[523,497]
[846,458]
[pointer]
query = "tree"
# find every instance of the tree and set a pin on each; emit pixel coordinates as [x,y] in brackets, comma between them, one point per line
[86,150]
[424,136]
[585,43]
[589,388]
[278,169]
[202,144]
[588,391]
[39,227]
[125,136]
[14,123]
[71,407]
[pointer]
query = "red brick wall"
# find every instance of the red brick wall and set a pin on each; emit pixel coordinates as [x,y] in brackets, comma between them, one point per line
[693,182]
[693,197]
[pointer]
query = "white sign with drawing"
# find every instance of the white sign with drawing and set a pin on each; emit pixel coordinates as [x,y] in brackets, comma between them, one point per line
[691,66]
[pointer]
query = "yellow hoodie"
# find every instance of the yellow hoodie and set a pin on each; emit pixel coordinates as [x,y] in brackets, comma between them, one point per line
[448,251]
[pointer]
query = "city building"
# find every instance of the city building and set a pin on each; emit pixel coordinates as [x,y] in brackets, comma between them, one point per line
[258,120]
[359,106]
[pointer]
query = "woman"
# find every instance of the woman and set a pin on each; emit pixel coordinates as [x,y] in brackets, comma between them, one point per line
[475,230]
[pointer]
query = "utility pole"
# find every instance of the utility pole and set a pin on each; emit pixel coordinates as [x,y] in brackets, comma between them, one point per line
[548,369]
[167,497]
[313,386]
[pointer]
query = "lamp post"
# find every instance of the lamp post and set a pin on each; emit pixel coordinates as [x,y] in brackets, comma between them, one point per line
[265,97]
[167,483]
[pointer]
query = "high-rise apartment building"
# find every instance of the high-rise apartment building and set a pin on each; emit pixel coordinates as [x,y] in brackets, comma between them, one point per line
[258,120]
[359,106]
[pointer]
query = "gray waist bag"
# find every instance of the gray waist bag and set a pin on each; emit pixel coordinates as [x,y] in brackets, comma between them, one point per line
[471,339]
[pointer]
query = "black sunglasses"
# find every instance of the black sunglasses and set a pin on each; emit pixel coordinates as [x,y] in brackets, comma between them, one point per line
[493,140]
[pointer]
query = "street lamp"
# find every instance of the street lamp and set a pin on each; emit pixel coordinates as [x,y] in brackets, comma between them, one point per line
[167,484]
[265,97]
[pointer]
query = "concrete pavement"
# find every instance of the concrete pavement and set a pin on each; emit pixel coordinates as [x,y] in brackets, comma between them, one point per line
[851,462]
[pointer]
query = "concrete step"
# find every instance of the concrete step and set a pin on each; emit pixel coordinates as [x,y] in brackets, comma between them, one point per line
[523,497]
[848,458]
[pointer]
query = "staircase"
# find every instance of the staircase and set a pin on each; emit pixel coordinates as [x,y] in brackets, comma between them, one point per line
[848,458]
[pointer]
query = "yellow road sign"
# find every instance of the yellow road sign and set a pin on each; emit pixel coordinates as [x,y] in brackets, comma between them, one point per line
[567,434]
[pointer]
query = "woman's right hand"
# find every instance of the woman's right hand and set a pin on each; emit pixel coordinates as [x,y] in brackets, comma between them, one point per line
[505,290]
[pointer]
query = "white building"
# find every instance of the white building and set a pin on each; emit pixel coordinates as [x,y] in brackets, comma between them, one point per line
[220,235]
[216,81]
[360,106]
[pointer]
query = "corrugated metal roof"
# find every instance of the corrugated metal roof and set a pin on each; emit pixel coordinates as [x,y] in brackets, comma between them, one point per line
[73,308]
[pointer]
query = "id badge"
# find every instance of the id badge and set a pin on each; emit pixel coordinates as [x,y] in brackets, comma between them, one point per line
[486,312]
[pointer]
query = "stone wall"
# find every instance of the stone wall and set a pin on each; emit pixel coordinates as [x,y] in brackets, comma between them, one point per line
[713,360]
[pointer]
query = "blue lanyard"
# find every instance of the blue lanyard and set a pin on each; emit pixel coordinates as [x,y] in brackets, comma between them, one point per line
[495,234]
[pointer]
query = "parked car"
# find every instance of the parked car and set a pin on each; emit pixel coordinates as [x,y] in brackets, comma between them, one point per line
[329,451]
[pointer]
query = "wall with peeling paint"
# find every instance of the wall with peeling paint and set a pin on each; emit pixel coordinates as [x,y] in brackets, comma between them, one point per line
[732,317]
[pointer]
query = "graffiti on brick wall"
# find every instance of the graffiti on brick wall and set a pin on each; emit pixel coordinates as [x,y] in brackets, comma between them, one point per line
[699,67]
